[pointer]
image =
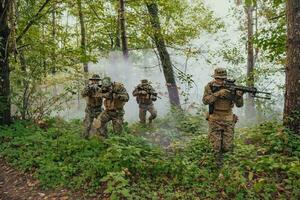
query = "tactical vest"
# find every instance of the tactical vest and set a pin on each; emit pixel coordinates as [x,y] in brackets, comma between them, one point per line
[114,104]
[93,101]
[222,107]
[144,98]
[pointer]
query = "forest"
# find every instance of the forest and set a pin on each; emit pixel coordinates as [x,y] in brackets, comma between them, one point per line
[78,77]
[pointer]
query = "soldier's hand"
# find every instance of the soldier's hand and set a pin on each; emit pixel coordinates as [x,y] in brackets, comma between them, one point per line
[93,87]
[222,93]
[153,97]
[142,92]
[239,93]
[106,95]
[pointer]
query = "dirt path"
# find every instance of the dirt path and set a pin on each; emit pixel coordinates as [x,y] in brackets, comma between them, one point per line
[18,186]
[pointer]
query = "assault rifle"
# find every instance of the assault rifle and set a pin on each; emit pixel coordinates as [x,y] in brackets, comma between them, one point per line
[149,91]
[230,85]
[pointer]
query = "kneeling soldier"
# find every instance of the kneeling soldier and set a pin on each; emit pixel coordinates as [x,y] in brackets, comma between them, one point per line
[145,95]
[93,103]
[115,96]
[221,120]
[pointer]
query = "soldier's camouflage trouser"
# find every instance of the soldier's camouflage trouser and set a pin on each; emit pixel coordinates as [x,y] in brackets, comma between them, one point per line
[117,121]
[143,111]
[90,114]
[219,130]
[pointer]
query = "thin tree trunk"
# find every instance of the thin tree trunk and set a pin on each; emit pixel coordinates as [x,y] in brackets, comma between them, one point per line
[123,29]
[25,100]
[250,106]
[5,110]
[13,22]
[164,55]
[117,37]
[292,93]
[83,35]
[53,67]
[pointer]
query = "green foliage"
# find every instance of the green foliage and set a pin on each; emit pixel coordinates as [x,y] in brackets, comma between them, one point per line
[117,185]
[271,37]
[264,165]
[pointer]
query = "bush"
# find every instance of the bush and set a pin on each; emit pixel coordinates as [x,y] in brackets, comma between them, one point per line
[264,165]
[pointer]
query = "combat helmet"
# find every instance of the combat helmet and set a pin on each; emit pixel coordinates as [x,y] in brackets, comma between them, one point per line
[144,81]
[106,82]
[220,73]
[95,77]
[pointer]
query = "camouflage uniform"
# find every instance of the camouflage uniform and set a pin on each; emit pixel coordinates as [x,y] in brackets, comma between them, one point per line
[145,95]
[221,121]
[94,104]
[115,96]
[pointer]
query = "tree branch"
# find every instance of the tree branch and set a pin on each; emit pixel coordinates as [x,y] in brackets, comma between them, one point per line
[31,22]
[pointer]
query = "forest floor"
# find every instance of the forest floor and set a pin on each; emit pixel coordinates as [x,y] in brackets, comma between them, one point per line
[170,160]
[15,185]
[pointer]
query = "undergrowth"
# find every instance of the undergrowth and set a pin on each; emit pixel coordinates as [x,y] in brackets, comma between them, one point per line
[264,164]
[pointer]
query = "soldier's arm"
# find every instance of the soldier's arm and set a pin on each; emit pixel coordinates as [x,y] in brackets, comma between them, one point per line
[208,96]
[152,91]
[86,91]
[122,94]
[135,92]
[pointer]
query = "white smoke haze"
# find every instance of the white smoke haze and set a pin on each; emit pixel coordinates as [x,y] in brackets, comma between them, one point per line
[142,66]
[145,64]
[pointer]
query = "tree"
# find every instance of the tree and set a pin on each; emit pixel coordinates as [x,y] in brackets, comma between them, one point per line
[292,93]
[250,106]
[5,110]
[123,29]
[164,55]
[83,35]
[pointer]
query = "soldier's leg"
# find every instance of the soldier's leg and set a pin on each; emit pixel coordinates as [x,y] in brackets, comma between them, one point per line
[117,122]
[88,120]
[142,114]
[153,113]
[98,111]
[215,136]
[94,115]
[104,118]
[228,136]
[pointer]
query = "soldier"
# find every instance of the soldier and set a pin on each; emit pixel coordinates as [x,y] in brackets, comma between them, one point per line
[145,95]
[221,120]
[115,96]
[94,103]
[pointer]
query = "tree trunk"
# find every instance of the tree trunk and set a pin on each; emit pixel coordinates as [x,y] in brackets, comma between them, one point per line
[123,29]
[25,83]
[83,35]
[5,110]
[250,106]
[292,93]
[164,55]
[117,39]
[53,67]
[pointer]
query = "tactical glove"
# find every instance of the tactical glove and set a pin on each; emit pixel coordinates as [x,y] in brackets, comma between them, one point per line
[239,93]
[222,93]
[106,95]
[142,92]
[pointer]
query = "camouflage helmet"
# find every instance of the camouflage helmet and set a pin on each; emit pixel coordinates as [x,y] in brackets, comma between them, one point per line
[106,82]
[220,73]
[95,77]
[144,81]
